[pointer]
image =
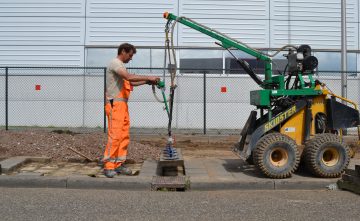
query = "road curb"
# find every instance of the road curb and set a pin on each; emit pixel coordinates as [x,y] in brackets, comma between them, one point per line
[32,182]
[142,184]
[231,185]
[303,185]
[125,183]
[260,185]
[121,183]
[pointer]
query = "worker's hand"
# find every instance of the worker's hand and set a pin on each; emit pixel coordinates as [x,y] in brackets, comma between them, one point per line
[153,80]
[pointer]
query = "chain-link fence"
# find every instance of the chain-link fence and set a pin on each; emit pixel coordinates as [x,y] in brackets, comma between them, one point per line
[74,97]
[52,97]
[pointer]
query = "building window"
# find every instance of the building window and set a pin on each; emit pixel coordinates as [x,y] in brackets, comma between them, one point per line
[233,67]
[201,60]
[99,57]
[330,63]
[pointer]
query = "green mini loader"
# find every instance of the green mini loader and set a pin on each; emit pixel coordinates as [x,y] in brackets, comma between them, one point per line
[293,110]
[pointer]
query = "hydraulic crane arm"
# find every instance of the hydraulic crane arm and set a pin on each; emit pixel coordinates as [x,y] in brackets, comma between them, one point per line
[227,43]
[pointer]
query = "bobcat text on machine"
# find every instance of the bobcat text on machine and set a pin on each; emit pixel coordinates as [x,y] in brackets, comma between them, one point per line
[295,110]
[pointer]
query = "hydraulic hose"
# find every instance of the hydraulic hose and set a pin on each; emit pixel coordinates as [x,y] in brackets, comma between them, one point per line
[169,52]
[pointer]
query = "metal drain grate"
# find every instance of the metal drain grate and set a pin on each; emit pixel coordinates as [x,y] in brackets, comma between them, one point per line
[169,182]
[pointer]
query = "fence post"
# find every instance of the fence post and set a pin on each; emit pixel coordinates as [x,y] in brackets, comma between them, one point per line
[204,102]
[84,96]
[104,100]
[6,98]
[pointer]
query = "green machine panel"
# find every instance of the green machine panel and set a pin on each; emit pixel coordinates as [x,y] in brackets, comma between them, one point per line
[260,97]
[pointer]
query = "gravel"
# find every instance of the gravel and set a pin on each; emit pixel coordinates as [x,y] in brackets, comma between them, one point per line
[57,143]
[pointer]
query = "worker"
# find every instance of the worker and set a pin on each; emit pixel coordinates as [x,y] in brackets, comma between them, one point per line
[118,86]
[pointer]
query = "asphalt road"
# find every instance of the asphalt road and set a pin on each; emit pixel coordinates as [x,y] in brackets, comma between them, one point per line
[65,204]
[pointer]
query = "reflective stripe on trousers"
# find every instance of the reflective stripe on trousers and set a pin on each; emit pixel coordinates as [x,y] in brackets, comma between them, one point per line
[115,160]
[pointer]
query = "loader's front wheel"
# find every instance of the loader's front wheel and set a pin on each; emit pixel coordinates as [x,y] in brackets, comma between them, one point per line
[276,155]
[326,156]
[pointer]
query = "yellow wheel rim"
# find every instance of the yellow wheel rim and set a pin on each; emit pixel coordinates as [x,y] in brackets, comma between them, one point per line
[330,156]
[279,157]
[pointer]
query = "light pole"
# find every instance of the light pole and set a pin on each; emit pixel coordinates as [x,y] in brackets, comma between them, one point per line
[343,51]
[343,55]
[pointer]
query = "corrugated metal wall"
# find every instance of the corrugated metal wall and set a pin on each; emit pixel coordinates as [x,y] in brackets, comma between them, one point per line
[56,32]
[317,23]
[139,22]
[41,32]
[247,21]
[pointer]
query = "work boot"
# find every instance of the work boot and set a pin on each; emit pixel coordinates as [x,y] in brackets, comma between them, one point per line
[109,173]
[123,170]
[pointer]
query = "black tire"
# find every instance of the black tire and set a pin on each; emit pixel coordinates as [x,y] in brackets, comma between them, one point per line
[276,155]
[326,156]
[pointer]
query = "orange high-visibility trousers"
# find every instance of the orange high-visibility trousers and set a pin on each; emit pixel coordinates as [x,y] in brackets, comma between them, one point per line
[118,130]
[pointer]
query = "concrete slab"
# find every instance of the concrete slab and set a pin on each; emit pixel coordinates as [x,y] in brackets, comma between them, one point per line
[237,174]
[195,168]
[197,171]
[194,177]
[193,164]
[11,164]
[215,168]
[148,169]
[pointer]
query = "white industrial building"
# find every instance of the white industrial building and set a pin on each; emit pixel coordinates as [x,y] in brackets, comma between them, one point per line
[86,33]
